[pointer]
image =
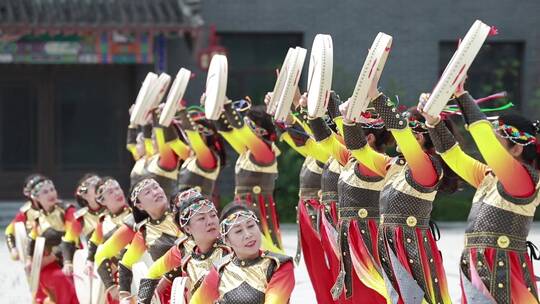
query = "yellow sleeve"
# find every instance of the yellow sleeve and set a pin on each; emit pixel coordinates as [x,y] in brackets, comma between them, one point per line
[335,148]
[235,143]
[339,124]
[515,179]
[468,168]
[135,251]
[149,147]
[10,229]
[286,137]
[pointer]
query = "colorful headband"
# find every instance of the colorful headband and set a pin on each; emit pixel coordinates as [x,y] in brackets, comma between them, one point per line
[100,191]
[139,187]
[87,183]
[37,187]
[27,189]
[195,207]
[417,126]
[242,105]
[513,134]
[236,218]
[371,120]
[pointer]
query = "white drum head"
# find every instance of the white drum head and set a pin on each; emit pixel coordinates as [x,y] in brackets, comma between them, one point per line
[176,94]
[320,75]
[371,71]
[21,240]
[39,248]
[291,83]
[280,81]
[138,110]
[83,284]
[178,290]
[457,67]
[216,87]
[159,89]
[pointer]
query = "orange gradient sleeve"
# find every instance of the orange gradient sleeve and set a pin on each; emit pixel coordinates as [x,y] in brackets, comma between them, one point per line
[134,251]
[422,169]
[515,179]
[72,226]
[260,150]
[170,260]
[114,244]
[208,292]
[281,285]
[205,158]
[97,234]
[168,160]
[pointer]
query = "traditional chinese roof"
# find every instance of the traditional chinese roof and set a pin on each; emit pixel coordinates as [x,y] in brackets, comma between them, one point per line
[99,15]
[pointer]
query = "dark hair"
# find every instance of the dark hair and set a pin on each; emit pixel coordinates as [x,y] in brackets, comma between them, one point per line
[80,200]
[450,180]
[29,183]
[263,120]
[138,215]
[529,155]
[382,137]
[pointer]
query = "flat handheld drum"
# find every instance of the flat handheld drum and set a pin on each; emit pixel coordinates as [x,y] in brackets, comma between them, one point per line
[140,103]
[320,75]
[21,240]
[159,90]
[83,282]
[37,257]
[457,67]
[216,87]
[293,76]
[178,290]
[176,94]
[280,81]
[371,71]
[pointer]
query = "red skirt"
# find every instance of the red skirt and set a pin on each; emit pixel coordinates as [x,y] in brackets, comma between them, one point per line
[502,276]
[411,259]
[368,285]
[56,286]
[313,249]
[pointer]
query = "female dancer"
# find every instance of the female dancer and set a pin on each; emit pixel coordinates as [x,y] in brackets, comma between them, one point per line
[201,168]
[253,136]
[27,214]
[195,253]
[495,266]
[155,230]
[53,222]
[110,195]
[406,247]
[248,275]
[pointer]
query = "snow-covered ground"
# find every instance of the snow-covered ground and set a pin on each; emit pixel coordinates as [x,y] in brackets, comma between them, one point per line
[14,288]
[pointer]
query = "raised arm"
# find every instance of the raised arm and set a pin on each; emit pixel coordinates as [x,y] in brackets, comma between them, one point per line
[356,142]
[206,159]
[422,168]
[133,254]
[512,174]
[328,140]
[468,168]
